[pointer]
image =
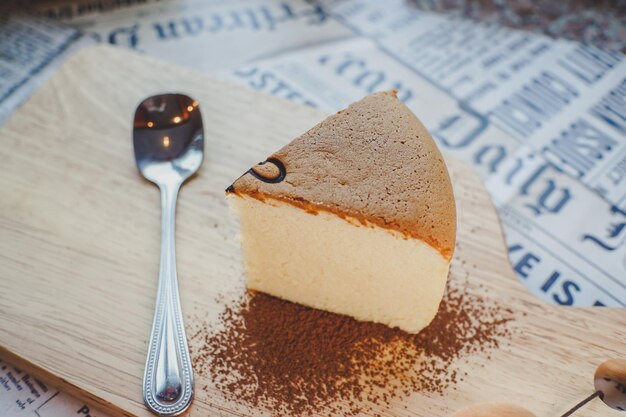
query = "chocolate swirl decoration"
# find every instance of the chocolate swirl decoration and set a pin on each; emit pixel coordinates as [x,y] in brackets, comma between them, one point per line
[282,173]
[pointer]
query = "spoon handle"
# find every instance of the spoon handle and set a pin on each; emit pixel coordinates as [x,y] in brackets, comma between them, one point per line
[168,377]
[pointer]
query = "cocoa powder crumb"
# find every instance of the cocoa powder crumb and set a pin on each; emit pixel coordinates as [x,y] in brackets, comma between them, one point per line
[294,360]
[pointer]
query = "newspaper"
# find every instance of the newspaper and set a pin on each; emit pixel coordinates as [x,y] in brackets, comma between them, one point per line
[565,242]
[30,50]
[208,35]
[22,395]
[542,121]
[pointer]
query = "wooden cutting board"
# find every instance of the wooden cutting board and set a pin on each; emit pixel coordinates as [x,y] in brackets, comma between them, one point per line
[79,247]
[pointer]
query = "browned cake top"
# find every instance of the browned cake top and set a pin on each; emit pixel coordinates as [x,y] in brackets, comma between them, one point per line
[373,161]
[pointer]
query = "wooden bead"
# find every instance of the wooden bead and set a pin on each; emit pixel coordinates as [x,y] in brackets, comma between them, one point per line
[610,379]
[493,410]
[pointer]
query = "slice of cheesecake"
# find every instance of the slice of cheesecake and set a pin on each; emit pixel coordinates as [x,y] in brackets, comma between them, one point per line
[356,217]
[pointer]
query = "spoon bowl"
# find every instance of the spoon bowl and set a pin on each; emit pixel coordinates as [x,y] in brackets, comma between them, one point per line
[168,138]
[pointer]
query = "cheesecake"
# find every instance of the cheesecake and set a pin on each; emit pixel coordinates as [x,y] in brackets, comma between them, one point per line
[356,216]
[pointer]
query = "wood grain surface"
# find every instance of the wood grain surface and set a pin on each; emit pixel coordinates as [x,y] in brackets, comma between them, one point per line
[79,248]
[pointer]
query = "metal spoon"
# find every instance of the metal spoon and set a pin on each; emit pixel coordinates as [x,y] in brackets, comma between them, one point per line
[169,141]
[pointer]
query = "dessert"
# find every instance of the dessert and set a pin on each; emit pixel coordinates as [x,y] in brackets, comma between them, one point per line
[356,216]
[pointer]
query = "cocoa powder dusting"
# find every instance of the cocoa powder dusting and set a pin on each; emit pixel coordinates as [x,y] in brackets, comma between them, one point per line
[297,361]
[294,360]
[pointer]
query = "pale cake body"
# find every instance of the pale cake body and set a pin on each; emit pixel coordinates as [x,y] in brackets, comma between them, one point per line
[356,216]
